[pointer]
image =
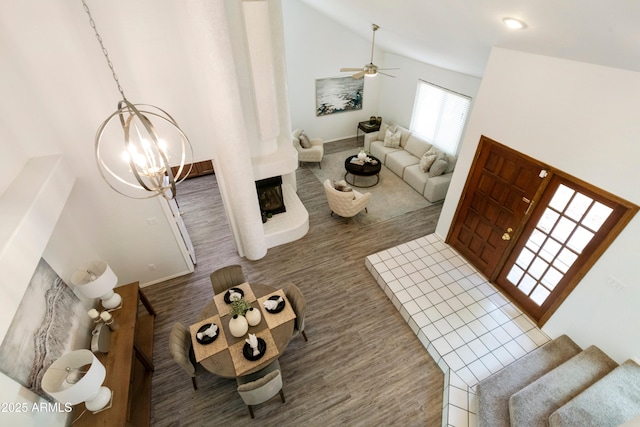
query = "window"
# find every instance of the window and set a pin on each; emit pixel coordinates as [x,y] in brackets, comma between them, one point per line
[439,115]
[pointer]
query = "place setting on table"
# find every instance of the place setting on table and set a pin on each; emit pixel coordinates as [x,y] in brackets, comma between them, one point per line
[243,329]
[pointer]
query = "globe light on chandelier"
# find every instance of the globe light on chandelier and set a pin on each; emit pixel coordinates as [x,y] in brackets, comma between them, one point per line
[138,144]
[136,147]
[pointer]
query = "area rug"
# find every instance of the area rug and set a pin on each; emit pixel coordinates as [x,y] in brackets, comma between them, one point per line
[391,197]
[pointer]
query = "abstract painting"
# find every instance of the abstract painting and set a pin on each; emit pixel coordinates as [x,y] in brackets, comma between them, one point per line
[338,94]
[50,321]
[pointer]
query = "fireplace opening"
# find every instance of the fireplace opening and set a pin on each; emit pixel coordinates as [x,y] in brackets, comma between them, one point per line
[270,195]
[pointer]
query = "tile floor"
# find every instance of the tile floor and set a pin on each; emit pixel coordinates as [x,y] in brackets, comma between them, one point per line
[465,324]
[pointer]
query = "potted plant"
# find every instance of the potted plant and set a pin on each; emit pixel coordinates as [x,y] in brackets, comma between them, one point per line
[240,306]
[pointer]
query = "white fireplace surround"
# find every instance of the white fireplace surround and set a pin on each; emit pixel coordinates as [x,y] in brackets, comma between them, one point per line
[293,224]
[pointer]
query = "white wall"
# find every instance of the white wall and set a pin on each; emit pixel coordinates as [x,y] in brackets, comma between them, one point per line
[317,47]
[57,89]
[398,94]
[582,119]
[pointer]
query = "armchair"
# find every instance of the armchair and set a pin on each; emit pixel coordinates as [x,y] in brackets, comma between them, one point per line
[312,154]
[345,203]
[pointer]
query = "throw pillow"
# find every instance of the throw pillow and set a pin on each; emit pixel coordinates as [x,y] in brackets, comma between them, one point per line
[383,131]
[341,186]
[304,141]
[439,166]
[426,161]
[392,139]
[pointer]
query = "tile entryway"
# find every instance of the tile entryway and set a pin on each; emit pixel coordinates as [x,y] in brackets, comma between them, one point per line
[463,321]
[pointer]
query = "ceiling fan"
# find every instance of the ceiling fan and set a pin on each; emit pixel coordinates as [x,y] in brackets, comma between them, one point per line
[370,69]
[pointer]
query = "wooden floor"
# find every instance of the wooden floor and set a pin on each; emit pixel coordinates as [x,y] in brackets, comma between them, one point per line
[362,365]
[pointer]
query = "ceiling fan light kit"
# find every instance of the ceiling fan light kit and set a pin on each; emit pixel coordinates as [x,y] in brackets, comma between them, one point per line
[370,69]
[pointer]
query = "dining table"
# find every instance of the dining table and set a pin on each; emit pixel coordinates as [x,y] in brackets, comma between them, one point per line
[224,356]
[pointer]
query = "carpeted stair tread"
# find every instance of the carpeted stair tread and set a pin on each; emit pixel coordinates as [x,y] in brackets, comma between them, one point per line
[611,401]
[493,393]
[531,406]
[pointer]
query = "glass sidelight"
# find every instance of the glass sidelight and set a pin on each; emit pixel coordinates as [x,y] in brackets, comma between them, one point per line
[568,224]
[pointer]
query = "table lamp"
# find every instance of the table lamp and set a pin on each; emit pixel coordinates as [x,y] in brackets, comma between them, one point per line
[77,377]
[97,280]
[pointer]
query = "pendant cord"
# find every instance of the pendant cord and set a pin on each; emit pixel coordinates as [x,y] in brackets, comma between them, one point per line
[104,50]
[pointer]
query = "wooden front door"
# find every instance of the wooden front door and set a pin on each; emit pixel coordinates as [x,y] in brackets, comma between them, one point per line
[498,194]
[531,231]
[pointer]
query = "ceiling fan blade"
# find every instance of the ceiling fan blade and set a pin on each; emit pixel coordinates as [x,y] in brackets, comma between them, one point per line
[342,70]
[385,74]
[385,69]
[358,75]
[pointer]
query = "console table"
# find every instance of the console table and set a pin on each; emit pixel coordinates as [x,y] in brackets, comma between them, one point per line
[366,127]
[129,365]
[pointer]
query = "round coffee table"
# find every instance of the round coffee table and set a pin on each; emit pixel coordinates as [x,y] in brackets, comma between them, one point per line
[369,168]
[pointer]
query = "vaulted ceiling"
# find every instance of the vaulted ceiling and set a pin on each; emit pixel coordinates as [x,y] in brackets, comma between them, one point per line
[459,34]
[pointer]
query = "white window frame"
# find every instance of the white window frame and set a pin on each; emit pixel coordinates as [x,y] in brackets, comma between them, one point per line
[440,116]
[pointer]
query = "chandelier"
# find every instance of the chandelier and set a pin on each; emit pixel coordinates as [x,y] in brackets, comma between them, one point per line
[137,144]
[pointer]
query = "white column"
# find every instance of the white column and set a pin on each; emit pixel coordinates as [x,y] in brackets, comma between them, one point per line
[233,155]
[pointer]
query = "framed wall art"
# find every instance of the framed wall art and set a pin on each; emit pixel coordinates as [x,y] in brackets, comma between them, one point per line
[49,322]
[338,94]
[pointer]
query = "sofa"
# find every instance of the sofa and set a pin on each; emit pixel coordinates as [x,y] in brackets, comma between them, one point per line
[425,168]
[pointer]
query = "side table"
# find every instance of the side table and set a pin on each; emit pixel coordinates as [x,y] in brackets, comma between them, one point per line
[366,127]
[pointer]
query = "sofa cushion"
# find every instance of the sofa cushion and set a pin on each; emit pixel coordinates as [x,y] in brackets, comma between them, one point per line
[436,187]
[392,139]
[451,163]
[377,149]
[417,146]
[415,178]
[398,160]
[426,161]
[439,166]
[383,130]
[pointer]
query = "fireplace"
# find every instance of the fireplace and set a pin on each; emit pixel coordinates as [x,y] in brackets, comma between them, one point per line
[270,195]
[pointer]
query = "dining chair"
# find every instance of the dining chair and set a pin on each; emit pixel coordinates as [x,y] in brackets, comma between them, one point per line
[261,386]
[227,277]
[299,305]
[181,350]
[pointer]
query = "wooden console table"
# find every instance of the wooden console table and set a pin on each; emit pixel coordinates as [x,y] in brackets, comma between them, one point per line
[129,365]
[366,127]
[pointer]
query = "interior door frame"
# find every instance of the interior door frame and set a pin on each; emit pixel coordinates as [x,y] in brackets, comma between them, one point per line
[631,210]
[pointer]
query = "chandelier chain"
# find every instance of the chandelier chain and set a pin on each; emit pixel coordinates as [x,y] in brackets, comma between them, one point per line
[104,49]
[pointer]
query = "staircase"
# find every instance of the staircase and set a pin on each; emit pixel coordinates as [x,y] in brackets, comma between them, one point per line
[560,385]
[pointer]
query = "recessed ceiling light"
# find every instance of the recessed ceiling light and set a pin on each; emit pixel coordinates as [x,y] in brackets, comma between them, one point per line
[514,24]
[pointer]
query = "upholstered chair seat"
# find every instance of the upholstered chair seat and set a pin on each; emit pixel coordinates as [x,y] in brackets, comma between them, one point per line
[299,305]
[261,386]
[180,348]
[227,277]
[313,153]
[345,203]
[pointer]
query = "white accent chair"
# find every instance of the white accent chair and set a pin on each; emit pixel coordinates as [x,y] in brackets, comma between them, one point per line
[261,386]
[312,154]
[345,203]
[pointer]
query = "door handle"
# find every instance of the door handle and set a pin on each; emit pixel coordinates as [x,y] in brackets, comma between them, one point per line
[507,236]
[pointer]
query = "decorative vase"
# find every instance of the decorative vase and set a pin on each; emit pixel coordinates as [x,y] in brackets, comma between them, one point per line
[253,316]
[238,326]
[362,155]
